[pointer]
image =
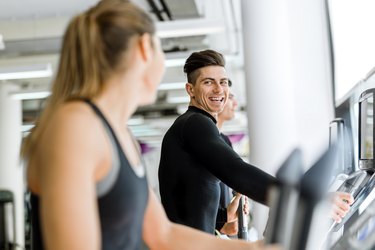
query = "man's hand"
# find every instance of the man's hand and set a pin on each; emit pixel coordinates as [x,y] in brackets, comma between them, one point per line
[341,202]
[233,207]
[230,228]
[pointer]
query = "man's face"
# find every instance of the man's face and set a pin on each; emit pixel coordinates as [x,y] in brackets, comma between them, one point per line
[210,91]
[229,109]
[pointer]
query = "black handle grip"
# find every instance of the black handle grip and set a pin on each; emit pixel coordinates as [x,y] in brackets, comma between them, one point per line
[242,228]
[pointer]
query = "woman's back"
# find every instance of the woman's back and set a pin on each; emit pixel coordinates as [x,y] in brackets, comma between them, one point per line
[121,195]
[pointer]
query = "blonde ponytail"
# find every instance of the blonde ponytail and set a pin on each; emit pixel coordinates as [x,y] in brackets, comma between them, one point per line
[94,46]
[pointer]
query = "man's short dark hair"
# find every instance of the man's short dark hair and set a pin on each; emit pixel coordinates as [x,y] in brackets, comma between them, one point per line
[199,60]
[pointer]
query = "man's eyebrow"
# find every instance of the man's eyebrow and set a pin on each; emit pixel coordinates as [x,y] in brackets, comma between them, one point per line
[208,78]
[213,79]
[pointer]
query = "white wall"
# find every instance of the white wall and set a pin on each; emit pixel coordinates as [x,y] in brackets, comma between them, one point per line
[289,100]
[11,172]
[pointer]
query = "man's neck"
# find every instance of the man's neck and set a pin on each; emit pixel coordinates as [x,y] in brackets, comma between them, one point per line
[214,115]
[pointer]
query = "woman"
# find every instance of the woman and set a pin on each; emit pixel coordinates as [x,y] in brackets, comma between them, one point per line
[88,185]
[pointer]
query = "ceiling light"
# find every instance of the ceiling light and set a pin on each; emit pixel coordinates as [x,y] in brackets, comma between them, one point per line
[178,99]
[175,62]
[26,72]
[30,95]
[145,130]
[189,27]
[177,59]
[27,127]
[136,120]
[172,86]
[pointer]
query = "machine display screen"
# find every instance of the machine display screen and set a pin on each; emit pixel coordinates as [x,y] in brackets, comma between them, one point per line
[367,128]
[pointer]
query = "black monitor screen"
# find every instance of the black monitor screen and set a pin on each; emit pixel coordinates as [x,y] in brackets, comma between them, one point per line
[367,127]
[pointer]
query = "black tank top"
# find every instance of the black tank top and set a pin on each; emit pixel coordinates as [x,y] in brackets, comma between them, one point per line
[121,207]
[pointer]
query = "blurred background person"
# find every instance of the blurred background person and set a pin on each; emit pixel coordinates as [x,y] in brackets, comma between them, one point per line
[226,220]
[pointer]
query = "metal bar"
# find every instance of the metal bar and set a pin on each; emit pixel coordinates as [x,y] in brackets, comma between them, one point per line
[155,10]
[166,9]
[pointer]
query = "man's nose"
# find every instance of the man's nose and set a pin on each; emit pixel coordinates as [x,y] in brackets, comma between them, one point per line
[218,88]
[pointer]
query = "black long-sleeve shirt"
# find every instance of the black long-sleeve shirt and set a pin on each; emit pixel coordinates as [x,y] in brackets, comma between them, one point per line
[193,160]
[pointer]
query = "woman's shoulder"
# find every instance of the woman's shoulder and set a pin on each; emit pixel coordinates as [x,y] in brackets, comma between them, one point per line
[73,138]
[73,121]
[74,110]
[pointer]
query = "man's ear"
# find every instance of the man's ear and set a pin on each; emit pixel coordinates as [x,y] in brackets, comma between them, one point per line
[145,47]
[189,89]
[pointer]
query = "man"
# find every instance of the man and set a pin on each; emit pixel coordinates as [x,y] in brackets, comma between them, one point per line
[194,158]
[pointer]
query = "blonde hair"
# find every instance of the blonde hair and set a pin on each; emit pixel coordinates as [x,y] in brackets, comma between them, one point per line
[94,46]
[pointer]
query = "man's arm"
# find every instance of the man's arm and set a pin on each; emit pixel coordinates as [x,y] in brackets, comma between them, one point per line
[203,141]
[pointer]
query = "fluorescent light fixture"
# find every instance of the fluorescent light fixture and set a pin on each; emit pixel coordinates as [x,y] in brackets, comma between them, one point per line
[145,133]
[175,62]
[177,59]
[178,99]
[189,27]
[136,120]
[144,130]
[172,86]
[40,94]
[27,127]
[26,72]
[30,95]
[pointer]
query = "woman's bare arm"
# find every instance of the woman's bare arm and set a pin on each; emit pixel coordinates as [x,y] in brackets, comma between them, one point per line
[160,233]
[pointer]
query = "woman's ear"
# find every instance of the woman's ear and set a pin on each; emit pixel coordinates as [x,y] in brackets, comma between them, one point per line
[145,47]
[190,89]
